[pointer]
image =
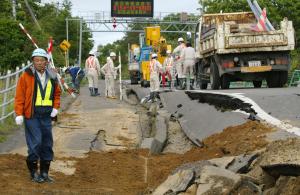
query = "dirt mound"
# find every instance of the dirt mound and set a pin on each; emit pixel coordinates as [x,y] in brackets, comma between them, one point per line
[129,171]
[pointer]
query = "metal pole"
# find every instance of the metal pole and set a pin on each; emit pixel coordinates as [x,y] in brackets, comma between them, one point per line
[13,2]
[67,35]
[80,42]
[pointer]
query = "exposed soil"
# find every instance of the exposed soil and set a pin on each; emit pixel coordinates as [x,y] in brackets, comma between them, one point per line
[128,171]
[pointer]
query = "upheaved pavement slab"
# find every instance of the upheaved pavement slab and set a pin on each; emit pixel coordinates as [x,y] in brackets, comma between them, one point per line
[199,120]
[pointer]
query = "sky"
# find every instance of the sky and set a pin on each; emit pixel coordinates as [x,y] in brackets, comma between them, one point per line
[81,7]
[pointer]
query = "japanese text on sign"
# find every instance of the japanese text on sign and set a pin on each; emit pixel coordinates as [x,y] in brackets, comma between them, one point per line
[132,8]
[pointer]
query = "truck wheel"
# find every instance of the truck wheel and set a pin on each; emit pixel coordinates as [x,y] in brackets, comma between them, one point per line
[283,75]
[203,85]
[273,80]
[225,81]
[142,83]
[257,84]
[214,76]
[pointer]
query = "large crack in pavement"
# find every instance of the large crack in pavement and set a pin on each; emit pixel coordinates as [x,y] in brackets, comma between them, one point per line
[239,102]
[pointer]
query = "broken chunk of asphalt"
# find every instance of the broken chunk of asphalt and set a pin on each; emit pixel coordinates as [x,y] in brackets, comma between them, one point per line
[215,180]
[241,163]
[282,158]
[175,183]
[222,102]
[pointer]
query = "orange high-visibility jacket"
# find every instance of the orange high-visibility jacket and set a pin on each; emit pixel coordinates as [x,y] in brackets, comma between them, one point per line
[26,90]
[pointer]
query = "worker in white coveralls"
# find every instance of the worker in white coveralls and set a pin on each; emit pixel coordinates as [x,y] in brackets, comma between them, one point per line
[110,71]
[178,62]
[188,57]
[155,67]
[92,67]
[170,70]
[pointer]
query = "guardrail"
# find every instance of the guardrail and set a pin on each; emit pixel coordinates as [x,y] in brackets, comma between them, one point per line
[8,85]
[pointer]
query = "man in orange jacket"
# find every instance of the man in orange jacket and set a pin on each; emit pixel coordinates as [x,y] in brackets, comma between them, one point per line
[37,101]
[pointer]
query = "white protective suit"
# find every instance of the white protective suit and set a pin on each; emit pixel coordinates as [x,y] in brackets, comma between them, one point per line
[178,61]
[92,67]
[155,67]
[109,70]
[188,58]
[170,67]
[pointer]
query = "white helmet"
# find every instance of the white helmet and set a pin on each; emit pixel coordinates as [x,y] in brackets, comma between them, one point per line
[112,54]
[154,55]
[92,53]
[39,53]
[169,51]
[180,39]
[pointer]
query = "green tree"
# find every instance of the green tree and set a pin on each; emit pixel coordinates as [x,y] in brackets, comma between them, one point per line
[16,48]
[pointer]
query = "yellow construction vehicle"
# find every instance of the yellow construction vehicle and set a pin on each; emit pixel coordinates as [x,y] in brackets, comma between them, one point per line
[151,42]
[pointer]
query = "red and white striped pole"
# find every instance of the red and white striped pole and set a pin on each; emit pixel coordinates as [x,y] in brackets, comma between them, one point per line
[28,35]
[49,50]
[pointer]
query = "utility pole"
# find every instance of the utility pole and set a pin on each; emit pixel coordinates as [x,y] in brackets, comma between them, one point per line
[14,13]
[32,14]
[67,35]
[80,42]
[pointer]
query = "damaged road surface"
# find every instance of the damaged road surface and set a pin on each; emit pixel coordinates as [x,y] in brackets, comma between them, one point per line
[97,151]
[203,113]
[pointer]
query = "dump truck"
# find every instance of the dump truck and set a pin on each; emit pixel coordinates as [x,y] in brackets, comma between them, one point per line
[228,49]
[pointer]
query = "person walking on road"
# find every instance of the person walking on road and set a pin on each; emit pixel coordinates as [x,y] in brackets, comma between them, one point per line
[37,101]
[188,57]
[155,67]
[77,75]
[178,61]
[169,69]
[110,71]
[92,68]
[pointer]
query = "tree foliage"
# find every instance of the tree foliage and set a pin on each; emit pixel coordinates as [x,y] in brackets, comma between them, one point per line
[16,48]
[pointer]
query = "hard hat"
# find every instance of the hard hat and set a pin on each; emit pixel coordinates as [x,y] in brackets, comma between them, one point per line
[180,39]
[169,51]
[112,54]
[92,53]
[39,52]
[154,55]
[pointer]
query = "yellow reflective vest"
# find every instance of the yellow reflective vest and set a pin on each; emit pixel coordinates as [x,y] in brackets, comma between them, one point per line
[47,101]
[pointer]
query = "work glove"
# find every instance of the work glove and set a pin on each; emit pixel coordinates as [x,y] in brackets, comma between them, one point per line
[19,120]
[54,112]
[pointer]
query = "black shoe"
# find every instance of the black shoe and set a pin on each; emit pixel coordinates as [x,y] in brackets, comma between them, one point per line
[96,92]
[44,169]
[32,166]
[91,91]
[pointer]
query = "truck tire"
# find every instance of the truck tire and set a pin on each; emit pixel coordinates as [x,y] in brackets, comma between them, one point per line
[257,84]
[214,76]
[277,79]
[142,83]
[225,81]
[200,72]
[203,85]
